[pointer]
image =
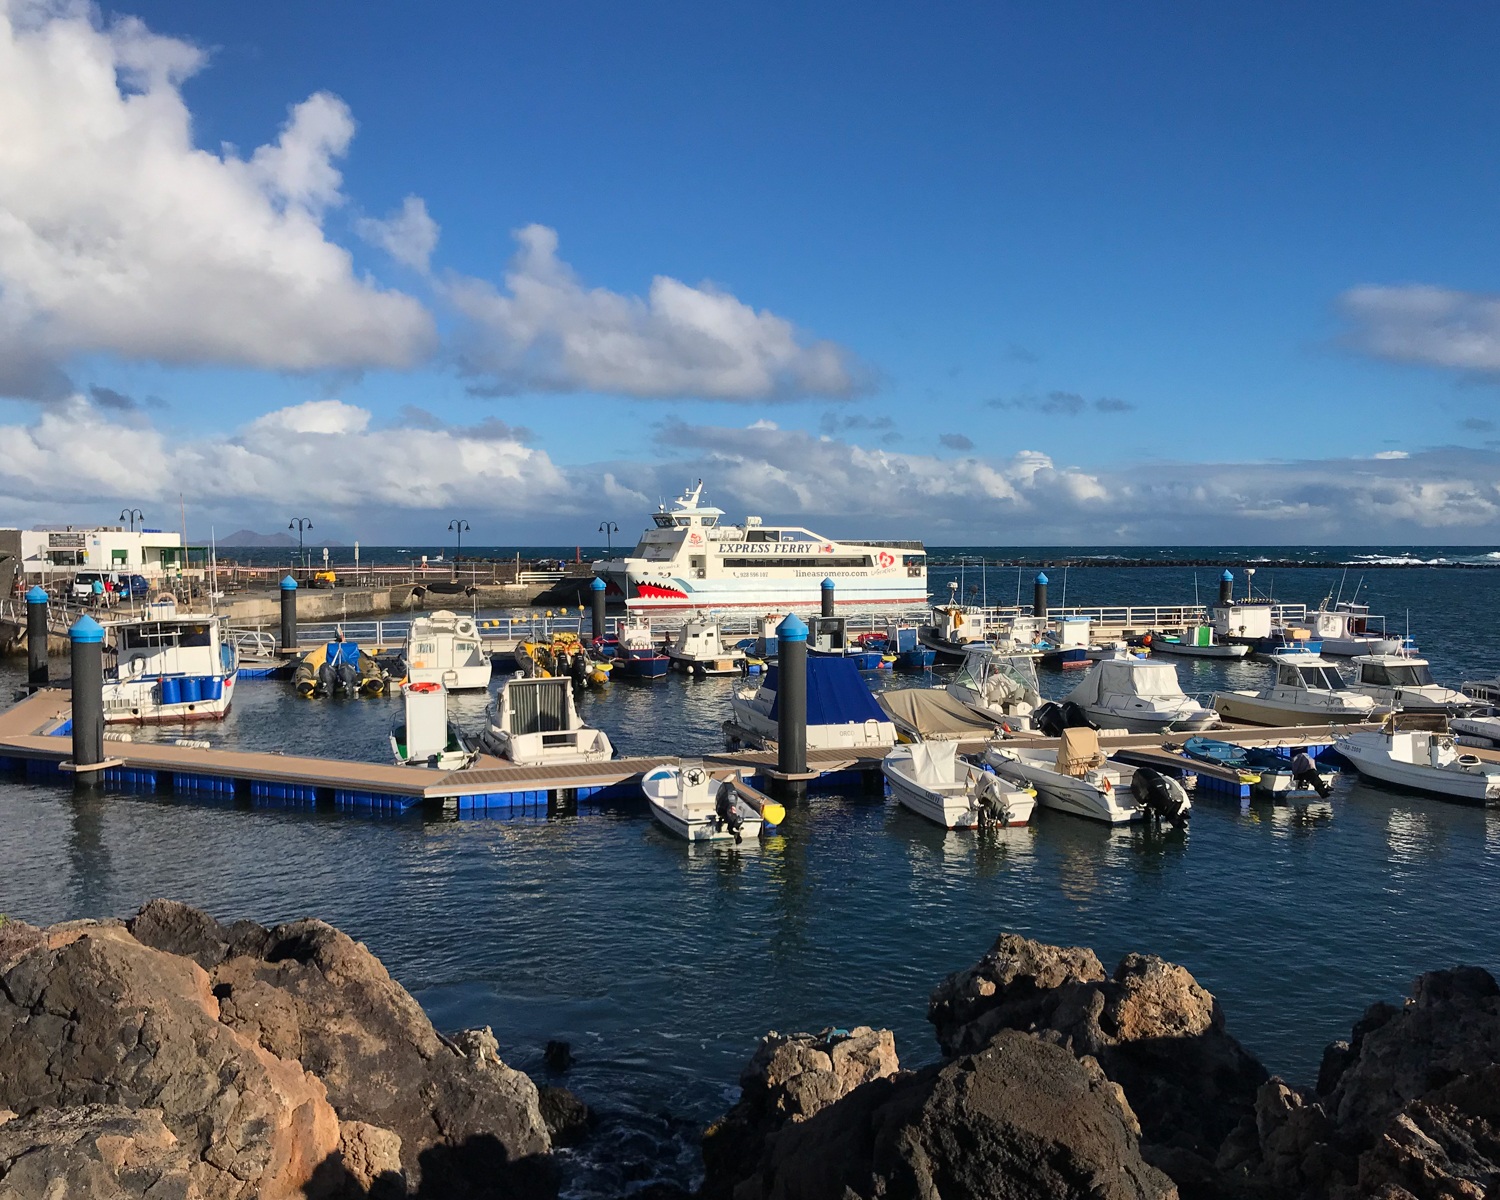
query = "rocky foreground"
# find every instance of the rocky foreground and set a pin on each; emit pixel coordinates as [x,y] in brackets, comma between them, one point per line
[169,1057]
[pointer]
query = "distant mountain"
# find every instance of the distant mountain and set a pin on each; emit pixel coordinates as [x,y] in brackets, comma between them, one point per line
[248,537]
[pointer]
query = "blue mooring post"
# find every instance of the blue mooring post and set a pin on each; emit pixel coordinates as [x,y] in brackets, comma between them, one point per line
[791,700]
[1226,589]
[288,615]
[828,586]
[36,639]
[596,594]
[1039,597]
[87,638]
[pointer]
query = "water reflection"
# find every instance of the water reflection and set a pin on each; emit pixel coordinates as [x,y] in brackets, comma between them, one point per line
[88,848]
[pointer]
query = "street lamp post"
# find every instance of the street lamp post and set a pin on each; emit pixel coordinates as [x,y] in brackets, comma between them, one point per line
[133,515]
[458,526]
[609,529]
[301,524]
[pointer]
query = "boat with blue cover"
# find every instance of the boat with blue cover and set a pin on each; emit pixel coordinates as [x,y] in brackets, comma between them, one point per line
[167,668]
[841,711]
[1270,771]
[636,655]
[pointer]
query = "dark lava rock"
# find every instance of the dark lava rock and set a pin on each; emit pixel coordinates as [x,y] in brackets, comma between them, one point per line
[1019,1120]
[568,1118]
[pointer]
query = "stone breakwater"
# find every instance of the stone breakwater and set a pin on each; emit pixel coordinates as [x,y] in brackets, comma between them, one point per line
[171,1057]
[1060,1079]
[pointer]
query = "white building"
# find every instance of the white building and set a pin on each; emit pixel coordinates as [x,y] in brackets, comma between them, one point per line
[67,550]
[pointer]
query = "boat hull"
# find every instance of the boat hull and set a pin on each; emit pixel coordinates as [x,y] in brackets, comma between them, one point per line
[1062,793]
[1107,718]
[134,704]
[1252,710]
[1179,650]
[1461,786]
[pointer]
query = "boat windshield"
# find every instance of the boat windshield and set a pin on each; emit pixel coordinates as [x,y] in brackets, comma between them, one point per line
[1326,678]
[1407,675]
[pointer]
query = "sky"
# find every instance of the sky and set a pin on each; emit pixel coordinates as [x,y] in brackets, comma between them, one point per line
[975,273]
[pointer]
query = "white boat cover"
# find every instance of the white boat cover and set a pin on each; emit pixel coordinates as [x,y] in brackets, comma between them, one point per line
[933,762]
[1127,676]
[933,715]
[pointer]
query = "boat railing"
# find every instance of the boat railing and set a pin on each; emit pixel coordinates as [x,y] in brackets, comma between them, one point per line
[254,643]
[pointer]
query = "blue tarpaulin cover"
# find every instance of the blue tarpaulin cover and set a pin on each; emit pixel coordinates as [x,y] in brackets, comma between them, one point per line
[836,695]
[343,652]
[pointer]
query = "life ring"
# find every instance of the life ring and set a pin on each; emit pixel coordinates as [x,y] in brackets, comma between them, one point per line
[424,688]
[163,598]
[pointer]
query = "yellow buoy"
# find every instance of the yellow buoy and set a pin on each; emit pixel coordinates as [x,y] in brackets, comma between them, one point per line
[772,813]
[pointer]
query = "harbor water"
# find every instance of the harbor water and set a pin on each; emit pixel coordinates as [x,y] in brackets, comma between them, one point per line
[663,963]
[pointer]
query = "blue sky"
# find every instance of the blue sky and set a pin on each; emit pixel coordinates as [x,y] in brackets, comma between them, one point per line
[992,272]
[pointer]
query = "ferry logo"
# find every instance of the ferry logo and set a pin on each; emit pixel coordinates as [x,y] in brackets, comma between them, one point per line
[827,548]
[885,559]
[695,538]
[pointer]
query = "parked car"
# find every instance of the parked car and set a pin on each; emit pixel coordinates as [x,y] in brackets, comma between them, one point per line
[83,584]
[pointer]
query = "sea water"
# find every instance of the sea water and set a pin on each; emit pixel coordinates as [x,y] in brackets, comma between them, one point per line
[663,963]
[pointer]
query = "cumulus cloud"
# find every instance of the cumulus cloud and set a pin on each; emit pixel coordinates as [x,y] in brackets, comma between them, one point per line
[547,331]
[408,235]
[1061,404]
[118,234]
[1421,323]
[956,441]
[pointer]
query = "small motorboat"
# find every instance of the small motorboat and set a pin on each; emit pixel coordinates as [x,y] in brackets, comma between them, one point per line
[1476,731]
[1198,641]
[167,668]
[841,711]
[997,685]
[951,629]
[1346,630]
[688,801]
[636,653]
[444,647]
[1307,690]
[338,669]
[828,637]
[424,736]
[699,650]
[1080,780]
[1138,695]
[535,722]
[1422,761]
[1268,772]
[899,641]
[934,782]
[1405,682]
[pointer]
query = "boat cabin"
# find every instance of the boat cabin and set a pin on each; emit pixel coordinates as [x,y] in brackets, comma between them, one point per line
[1243,621]
[1309,673]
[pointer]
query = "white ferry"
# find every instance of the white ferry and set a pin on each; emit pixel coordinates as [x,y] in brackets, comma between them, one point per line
[689,560]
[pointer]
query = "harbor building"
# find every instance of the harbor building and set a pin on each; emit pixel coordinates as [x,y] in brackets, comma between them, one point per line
[52,552]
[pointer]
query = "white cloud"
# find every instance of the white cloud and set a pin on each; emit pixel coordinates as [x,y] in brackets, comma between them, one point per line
[118,234]
[409,235]
[1391,454]
[548,332]
[1420,323]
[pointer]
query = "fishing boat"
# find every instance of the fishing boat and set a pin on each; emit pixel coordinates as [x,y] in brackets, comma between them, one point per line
[1405,682]
[338,669]
[637,655]
[841,712]
[1197,641]
[951,628]
[444,647]
[689,559]
[1138,695]
[1422,761]
[1268,772]
[898,640]
[1078,779]
[1250,623]
[828,637]
[424,736]
[999,686]
[535,722]
[698,649]
[167,668]
[1346,630]
[934,782]
[1306,690]
[688,801]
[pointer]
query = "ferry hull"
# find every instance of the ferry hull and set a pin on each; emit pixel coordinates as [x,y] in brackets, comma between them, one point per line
[683,595]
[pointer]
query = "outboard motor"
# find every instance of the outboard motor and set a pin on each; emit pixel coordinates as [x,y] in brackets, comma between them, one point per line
[994,801]
[348,677]
[1048,720]
[1074,717]
[579,669]
[1158,796]
[727,811]
[327,679]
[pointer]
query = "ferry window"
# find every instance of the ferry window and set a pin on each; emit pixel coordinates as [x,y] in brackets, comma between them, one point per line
[684,521]
[663,520]
[762,535]
[710,522]
[913,560]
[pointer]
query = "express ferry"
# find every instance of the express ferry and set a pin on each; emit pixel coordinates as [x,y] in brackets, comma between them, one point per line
[688,559]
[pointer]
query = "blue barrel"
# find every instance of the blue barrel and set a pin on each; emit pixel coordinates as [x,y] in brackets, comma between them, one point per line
[192,690]
[213,688]
[171,690]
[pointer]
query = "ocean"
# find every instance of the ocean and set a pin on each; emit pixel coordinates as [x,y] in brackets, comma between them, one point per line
[662,963]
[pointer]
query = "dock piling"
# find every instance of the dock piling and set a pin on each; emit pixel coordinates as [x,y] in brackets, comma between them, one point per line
[86,640]
[36,639]
[288,615]
[791,721]
[596,594]
[1226,589]
[1039,597]
[827,589]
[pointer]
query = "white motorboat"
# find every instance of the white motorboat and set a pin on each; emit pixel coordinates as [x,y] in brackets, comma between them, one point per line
[1421,761]
[444,648]
[1405,682]
[698,649]
[535,722]
[1197,641]
[690,560]
[1476,731]
[1348,629]
[689,802]
[167,668]
[1078,779]
[999,686]
[952,628]
[424,737]
[1307,690]
[934,782]
[1138,695]
[841,712]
